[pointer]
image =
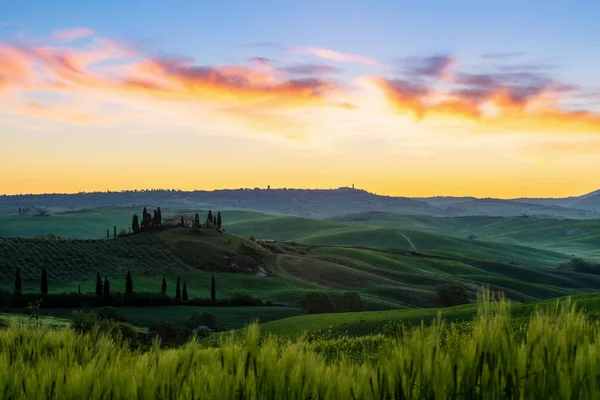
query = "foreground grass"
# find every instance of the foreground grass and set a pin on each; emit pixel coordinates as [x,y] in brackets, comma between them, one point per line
[554,356]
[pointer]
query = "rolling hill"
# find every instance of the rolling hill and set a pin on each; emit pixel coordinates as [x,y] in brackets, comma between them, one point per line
[385,278]
[574,237]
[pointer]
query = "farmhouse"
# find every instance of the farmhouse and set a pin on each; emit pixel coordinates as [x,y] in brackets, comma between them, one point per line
[175,220]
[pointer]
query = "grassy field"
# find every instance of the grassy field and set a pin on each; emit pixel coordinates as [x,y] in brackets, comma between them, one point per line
[370,322]
[554,356]
[579,237]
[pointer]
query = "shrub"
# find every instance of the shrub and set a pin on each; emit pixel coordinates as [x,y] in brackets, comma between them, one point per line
[581,265]
[109,313]
[317,303]
[205,319]
[82,322]
[452,294]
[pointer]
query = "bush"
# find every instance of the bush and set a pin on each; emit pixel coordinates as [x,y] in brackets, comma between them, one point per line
[580,265]
[205,319]
[109,313]
[82,322]
[452,294]
[317,303]
[169,333]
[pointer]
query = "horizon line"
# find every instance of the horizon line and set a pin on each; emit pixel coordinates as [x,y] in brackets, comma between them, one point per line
[281,189]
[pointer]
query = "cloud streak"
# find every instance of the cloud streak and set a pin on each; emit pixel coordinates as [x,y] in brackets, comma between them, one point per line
[68,35]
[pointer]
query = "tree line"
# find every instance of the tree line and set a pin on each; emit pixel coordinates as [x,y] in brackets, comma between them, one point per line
[103,286]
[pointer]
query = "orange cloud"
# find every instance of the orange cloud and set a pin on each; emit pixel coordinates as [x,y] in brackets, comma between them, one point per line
[261,89]
[510,102]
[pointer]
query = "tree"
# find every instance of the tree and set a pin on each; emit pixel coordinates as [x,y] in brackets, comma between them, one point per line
[213,290]
[155,218]
[196,221]
[98,284]
[182,221]
[107,233]
[184,296]
[135,223]
[18,281]
[144,219]
[44,288]
[219,221]
[177,291]
[106,287]
[452,294]
[164,287]
[159,216]
[209,218]
[115,231]
[128,283]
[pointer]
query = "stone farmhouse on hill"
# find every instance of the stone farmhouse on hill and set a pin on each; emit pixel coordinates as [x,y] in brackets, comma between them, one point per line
[175,220]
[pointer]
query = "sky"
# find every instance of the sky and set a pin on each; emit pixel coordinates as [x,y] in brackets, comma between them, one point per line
[405,98]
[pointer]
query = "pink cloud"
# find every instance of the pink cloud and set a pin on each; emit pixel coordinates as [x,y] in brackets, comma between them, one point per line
[67,35]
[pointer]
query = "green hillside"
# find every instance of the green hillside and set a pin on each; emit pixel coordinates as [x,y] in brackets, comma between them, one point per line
[309,231]
[580,237]
[278,272]
[369,322]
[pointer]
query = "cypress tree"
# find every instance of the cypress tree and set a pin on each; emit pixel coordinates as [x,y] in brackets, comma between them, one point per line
[115,231]
[164,287]
[213,290]
[128,283]
[177,291]
[219,221]
[18,281]
[144,219]
[107,233]
[135,223]
[159,215]
[44,288]
[182,221]
[98,284]
[197,221]
[106,288]
[155,218]
[184,296]
[210,216]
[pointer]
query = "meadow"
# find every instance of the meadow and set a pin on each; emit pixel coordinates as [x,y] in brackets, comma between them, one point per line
[553,355]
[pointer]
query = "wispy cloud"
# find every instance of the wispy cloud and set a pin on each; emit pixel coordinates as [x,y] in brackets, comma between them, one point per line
[501,56]
[68,35]
[311,69]
[333,55]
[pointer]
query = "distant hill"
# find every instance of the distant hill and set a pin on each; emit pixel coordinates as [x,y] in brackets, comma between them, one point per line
[311,203]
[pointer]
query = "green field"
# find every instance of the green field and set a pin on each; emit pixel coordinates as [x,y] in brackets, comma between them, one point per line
[364,323]
[553,355]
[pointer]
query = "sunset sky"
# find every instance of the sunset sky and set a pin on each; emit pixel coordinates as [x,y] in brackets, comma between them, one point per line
[409,98]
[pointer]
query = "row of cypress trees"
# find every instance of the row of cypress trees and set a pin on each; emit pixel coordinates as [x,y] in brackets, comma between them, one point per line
[103,287]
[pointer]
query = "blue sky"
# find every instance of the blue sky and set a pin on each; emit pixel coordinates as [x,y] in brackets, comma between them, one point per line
[473,120]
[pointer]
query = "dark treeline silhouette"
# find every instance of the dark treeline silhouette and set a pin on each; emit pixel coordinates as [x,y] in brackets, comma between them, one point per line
[104,297]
